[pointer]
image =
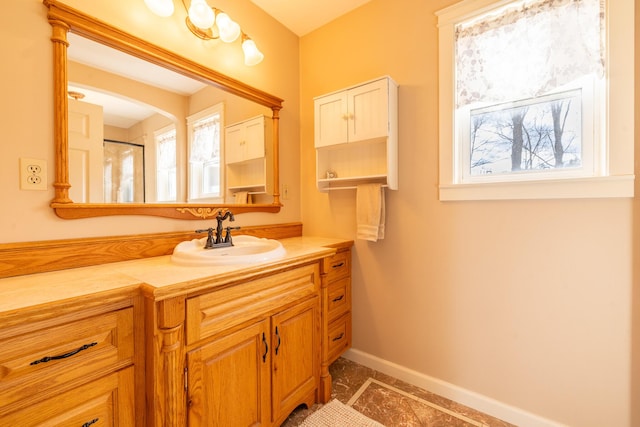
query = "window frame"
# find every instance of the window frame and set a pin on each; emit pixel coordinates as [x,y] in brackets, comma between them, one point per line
[191,121]
[613,176]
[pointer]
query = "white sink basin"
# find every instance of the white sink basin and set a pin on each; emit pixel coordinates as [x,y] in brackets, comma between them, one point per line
[245,250]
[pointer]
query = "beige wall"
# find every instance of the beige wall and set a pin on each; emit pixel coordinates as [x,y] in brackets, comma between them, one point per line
[525,302]
[27,107]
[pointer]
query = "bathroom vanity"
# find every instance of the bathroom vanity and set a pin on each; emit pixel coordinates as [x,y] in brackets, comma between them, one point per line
[148,342]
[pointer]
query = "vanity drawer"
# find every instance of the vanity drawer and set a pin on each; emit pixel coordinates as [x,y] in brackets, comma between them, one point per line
[337,266]
[339,337]
[66,355]
[338,298]
[108,401]
[217,311]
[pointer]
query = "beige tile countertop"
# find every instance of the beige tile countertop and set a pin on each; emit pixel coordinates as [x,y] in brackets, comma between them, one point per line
[157,276]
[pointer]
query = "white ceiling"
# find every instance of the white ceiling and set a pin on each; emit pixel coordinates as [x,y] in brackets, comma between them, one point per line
[304,16]
[118,110]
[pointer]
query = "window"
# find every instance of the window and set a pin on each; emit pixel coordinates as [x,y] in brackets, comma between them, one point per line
[524,90]
[205,154]
[165,140]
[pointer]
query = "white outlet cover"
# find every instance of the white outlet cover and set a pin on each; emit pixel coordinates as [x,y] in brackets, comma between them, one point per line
[30,180]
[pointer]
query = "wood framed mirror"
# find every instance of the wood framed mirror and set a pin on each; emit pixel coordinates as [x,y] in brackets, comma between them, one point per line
[64,19]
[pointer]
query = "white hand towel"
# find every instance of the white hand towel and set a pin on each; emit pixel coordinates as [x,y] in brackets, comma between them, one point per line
[370,212]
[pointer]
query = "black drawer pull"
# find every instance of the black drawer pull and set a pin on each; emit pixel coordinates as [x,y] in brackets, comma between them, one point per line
[339,337]
[93,421]
[336,299]
[63,356]
[266,348]
[277,336]
[337,265]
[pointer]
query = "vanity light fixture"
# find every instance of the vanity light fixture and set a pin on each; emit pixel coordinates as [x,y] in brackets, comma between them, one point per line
[209,23]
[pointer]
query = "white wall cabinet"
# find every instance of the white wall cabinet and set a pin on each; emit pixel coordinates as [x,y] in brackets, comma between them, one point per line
[248,156]
[356,135]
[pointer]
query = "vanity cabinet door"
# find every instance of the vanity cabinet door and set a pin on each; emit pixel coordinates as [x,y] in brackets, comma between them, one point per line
[229,379]
[295,357]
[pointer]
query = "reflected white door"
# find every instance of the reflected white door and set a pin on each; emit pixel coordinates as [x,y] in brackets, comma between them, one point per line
[86,134]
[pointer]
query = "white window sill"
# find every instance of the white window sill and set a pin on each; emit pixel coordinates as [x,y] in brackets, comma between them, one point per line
[581,188]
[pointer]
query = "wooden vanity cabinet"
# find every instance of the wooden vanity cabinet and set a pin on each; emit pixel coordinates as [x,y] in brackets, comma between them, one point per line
[250,353]
[73,369]
[336,313]
[257,375]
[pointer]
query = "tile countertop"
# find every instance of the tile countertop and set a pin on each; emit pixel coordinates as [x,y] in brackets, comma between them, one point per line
[158,276]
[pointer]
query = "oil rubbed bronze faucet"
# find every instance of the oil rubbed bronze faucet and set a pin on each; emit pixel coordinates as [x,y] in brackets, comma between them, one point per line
[219,241]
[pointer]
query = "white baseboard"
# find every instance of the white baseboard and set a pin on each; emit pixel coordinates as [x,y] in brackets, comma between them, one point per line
[466,397]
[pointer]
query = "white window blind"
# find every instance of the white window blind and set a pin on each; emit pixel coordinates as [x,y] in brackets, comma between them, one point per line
[527,49]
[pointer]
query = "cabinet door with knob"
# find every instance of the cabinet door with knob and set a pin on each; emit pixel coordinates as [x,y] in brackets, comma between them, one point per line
[229,379]
[295,357]
[357,114]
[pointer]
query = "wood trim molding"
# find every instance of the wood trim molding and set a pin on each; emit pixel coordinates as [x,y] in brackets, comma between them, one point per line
[18,259]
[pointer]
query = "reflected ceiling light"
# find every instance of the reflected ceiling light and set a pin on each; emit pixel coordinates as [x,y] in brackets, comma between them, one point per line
[209,23]
[75,95]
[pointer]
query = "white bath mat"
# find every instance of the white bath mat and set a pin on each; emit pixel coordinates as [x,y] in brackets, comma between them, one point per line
[337,414]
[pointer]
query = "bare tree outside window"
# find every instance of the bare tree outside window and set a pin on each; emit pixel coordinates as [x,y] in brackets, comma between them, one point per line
[530,136]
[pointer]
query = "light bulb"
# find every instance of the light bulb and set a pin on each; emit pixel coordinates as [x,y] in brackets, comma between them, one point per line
[252,56]
[201,14]
[229,30]
[162,8]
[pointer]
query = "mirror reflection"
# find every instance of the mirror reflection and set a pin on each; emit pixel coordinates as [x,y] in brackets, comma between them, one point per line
[142,133]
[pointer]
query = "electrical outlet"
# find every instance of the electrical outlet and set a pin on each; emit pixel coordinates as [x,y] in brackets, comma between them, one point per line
[33,174]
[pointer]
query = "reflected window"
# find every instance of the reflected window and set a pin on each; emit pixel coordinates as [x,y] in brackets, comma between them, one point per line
[205,155]
[166,165]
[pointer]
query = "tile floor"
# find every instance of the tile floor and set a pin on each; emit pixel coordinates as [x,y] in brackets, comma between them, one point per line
[392,402]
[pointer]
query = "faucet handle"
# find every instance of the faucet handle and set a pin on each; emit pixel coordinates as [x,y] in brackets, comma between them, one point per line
[227,237]
[209,231]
